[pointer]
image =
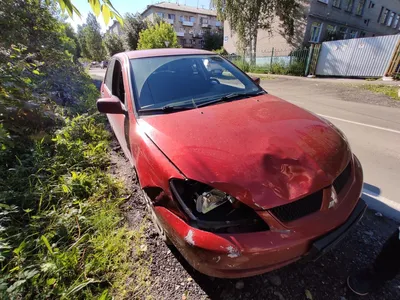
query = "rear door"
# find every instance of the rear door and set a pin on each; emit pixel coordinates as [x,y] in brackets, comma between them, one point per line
[114,87]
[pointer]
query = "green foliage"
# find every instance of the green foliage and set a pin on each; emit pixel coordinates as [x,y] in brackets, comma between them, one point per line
[242,64]
[114,44]
[388,90]
[62,231]
[295,68]
[157,36]
[221,51]
[133,25]
[91,40]
[213,40]
[104,7]
[73,243]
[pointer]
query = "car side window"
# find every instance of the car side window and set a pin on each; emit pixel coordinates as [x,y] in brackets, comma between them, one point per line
[109,75]
[118,89]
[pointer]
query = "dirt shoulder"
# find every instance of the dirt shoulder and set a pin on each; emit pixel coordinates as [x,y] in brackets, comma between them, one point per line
[172,278]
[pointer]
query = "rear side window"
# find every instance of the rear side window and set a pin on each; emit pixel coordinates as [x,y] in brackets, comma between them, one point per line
[109,75]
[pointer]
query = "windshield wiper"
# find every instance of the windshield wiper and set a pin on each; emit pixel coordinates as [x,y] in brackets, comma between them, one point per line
[231,97]
[165,109]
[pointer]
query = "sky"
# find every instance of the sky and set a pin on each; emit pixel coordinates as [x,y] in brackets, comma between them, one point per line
[126,6]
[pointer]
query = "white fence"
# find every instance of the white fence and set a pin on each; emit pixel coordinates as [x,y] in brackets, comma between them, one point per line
[365,57]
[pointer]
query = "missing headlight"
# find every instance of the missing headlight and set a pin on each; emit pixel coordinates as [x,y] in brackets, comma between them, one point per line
[213,210]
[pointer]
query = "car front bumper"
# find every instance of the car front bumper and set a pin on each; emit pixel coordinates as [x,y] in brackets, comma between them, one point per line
[240,255]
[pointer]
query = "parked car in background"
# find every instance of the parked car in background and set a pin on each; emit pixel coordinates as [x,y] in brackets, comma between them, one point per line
[240,181]
[104,64]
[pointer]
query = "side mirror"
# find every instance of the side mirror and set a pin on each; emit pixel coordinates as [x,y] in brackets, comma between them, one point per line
[110,106]
[256,80]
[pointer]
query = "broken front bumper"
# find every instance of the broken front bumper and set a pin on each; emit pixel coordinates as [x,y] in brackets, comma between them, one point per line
[327,242]
[239,255]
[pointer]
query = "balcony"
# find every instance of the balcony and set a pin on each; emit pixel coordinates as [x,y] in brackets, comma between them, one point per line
[180,33]
[170,21]
[205,25]
[218,23]
[187,23]
[197,35]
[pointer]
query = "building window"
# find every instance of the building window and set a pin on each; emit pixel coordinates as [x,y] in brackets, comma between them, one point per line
[360,7]
[343,33]
[366,22]
[390,19]
[396,21]
[336,3]
[330,32]
[349,5]
[192,19]
[181,18]
[323,1]
[171,17]
[383,16]
[352,34]
[315,32]
[204,20]
[371,4]
[160,14]
[362,34]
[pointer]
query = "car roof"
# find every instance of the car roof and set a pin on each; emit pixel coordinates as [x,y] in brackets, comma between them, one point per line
[164,52]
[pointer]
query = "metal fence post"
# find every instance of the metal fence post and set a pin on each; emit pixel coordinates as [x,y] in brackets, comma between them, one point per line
[310,54]
[272,56]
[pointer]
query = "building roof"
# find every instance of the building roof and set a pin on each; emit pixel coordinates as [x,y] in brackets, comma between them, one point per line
[164,52]
[183,8]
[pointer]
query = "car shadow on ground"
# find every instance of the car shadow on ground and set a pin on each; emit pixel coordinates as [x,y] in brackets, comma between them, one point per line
[323,279]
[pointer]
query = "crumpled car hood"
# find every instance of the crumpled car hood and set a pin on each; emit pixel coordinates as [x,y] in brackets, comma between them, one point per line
[264,151]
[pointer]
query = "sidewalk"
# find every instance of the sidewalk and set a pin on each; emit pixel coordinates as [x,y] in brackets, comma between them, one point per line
[352,81]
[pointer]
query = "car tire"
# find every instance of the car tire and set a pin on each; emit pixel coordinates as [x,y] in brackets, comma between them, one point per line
[156,222]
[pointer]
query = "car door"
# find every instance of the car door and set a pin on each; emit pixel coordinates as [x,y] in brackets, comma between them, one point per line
[114,87]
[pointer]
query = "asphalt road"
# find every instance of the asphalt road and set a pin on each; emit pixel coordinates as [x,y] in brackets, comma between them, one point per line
[372,130]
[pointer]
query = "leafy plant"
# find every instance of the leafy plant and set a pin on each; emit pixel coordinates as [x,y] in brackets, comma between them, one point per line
[133,25]
[114,44]
[161,35]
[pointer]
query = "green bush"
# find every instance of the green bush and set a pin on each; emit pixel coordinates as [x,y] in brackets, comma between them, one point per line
[242,64]
[62,231]
[297,68]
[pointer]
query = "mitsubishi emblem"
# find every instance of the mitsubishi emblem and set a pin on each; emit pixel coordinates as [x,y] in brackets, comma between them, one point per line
[333,201]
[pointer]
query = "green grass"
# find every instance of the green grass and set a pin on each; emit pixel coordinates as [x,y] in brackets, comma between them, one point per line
[63,233]
[388,90]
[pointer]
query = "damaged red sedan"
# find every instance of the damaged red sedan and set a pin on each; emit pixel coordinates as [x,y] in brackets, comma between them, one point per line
[240,181]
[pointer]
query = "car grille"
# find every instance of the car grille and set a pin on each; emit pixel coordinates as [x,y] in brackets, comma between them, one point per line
[342,179]
[300,208]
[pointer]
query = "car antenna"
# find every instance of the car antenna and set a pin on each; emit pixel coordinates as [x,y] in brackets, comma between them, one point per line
[194,103]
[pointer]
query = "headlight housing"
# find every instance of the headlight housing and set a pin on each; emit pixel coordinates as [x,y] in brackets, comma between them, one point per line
[213,210]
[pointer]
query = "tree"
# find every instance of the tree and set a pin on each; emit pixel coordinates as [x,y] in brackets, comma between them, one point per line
[246,17]
[133,25]
[114,44]
[213,40]
[91,40]
[104,7]
[160,35]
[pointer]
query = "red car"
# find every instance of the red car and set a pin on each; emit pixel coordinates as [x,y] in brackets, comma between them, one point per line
[240,181]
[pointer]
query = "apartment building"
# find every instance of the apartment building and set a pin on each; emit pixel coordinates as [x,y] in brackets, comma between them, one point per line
[115,28]
[324,20]
[190,23]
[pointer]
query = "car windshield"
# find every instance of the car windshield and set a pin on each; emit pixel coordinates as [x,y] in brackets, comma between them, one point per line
[186,81]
